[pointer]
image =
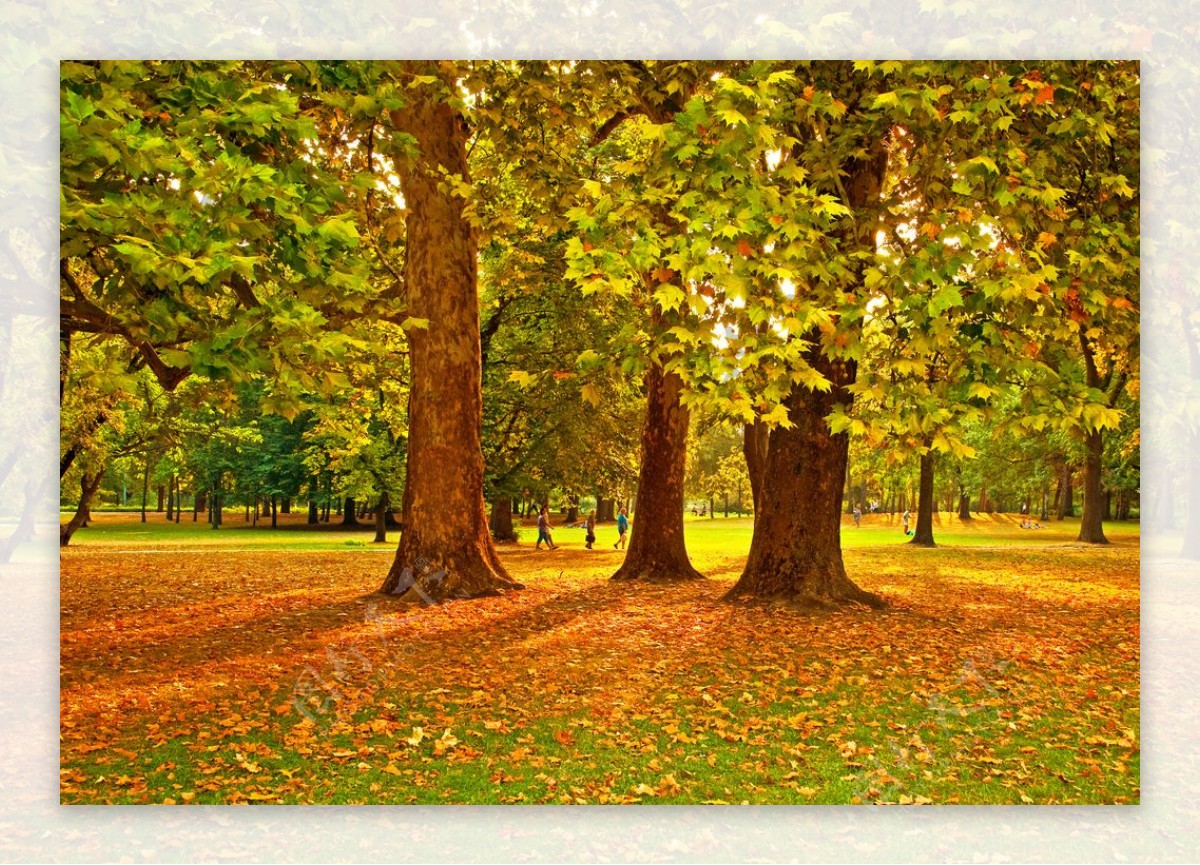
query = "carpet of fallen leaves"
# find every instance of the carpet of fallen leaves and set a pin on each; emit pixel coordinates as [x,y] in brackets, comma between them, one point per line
[1000,674]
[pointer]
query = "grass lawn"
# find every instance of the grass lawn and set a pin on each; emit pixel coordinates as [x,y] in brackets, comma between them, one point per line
[245,665]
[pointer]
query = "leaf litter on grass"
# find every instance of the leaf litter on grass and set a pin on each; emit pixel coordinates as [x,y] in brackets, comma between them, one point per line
[280,677]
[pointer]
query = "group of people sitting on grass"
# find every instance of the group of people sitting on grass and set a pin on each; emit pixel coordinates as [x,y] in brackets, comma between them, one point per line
[543,525]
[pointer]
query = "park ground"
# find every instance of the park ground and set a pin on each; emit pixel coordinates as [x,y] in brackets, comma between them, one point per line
[244,665]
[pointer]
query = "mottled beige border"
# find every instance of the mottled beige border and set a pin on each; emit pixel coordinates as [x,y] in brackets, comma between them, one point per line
[35,36]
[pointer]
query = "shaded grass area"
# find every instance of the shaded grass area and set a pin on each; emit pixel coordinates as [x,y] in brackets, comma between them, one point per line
[1004,672]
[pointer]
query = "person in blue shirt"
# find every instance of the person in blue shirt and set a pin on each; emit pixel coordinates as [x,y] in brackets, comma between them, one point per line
[622,528]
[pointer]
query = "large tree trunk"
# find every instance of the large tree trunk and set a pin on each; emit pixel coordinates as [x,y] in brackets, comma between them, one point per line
[755,437]
[923,536]
[445,550]
[349,512]
[1091,527]
[656,548]
[87,489]
[796,550]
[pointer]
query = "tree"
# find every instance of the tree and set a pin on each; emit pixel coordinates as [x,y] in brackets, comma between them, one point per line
[631,240]
[445,526]
[1087,171]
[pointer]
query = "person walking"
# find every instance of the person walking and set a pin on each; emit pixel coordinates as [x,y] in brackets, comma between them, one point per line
[904,521]
[544,530]
[857,516]
[590,525]
[622,528]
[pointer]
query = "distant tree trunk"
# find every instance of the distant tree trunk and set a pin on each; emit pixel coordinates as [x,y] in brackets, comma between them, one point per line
[349,512]
[145,486]
[1091,526]
[796,552]
[171,499]
[964,498]
[755,438]
[726,506]
[572,509]
[1123,505]
[1106,497]
[161,496]
[274,513]
[381,512]
[445,521]
[923,535]
[314,510]
[657,550]
[712,507]
[502,519]
[285,506]
[215,504]
[87,489]
[1065,504]
[1045,511]
[604,510]
[199,503]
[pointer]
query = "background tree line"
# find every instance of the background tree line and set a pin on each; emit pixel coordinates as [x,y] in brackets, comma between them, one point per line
[433,282]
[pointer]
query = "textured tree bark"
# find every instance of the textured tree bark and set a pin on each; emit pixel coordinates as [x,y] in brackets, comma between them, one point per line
[349,512]
[923,534]
[796,551]
[657,551]
[755,438]
[445,550]
[1091,526]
